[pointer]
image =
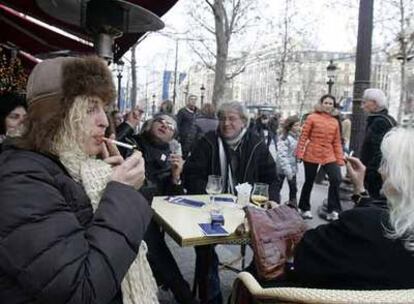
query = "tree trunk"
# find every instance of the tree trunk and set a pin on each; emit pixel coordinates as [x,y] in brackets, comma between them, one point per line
[283,57]
[222,45]
[403,51]
[362,72]
[133,91]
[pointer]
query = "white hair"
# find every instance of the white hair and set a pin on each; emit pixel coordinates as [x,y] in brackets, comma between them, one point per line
[376,95]
[398,168]
[234,106]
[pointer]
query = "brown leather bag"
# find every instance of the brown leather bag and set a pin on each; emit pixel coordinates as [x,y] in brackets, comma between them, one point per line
[274,234]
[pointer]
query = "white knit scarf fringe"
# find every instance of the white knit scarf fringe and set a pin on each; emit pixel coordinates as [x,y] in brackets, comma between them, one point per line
[139,285]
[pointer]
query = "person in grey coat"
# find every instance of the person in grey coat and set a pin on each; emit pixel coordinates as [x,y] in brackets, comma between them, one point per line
[207,120]
[286,160]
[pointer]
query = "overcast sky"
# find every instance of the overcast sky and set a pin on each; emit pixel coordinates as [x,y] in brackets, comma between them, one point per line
[335,31]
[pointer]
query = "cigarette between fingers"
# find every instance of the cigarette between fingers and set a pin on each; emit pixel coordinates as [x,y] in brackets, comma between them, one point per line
[120,144]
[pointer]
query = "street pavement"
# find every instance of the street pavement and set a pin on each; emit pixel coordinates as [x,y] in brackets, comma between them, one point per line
[227,253]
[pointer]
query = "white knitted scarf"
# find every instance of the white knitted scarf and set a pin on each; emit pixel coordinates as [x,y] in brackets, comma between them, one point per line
[138,286]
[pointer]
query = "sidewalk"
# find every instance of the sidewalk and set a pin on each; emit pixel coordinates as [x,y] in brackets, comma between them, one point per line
[186,257]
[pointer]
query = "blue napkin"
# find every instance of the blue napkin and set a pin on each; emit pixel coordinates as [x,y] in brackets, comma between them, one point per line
[183,201]
[213,230]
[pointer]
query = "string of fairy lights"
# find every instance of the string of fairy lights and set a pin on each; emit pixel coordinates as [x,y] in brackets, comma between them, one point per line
[13,77]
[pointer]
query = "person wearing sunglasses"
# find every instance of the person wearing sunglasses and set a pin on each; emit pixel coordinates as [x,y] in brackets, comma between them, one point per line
[163,167]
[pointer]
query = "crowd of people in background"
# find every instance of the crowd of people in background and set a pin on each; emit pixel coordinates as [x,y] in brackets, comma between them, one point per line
[89,221]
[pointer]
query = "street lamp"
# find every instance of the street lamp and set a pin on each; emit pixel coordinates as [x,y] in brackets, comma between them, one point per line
[119,68]
[153,105]
[331,73]
[202,90]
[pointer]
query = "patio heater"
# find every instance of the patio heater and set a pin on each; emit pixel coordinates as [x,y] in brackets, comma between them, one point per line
[103,20]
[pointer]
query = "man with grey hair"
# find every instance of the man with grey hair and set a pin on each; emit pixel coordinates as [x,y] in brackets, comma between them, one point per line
[238,155]
[379,122]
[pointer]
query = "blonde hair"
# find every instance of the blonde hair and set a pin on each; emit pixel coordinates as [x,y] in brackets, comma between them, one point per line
[73,132]
[398,167]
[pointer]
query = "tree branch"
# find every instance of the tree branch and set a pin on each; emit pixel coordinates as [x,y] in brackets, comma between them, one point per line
[202,58]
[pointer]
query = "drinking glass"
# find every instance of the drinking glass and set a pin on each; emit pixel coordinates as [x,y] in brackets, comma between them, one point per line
[260,194]
[214,186]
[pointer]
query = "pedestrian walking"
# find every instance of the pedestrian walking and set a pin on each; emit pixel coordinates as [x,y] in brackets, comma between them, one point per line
[379,122]
[320,145]
[286,161]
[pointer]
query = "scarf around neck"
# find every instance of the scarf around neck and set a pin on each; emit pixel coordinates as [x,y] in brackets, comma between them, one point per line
[138,285]
[234,142]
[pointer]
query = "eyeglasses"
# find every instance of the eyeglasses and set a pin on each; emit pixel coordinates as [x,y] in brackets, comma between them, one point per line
[166,123]
[230,119]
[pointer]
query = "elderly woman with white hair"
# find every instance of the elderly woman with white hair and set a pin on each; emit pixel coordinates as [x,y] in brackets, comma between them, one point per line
[236,154]
[379,122]
[371,246]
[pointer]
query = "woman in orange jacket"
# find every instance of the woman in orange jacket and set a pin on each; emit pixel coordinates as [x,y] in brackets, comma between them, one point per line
[320,145]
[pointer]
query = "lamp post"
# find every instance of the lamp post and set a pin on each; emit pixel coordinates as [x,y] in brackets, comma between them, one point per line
[202,91]
[119,68]
[186,90]
[153,105]
[331,73]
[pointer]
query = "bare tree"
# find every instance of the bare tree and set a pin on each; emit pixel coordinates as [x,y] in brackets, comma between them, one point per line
[307,88]
[394,18]
[293,33]
[212,44]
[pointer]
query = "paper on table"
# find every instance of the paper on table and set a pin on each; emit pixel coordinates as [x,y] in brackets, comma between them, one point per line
[224,201]
[185,201]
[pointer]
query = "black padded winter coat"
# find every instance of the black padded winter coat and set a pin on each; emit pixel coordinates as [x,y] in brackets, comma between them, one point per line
[53,249]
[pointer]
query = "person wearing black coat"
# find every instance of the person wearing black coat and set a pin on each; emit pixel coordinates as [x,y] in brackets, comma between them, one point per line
[186,125]
[163,169]
[370,246]
[13,109]
[54,248]
[254,159]
[239,156]
[379,122]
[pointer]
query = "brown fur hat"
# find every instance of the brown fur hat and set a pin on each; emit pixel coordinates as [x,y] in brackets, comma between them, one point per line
[52,88]
[69,77]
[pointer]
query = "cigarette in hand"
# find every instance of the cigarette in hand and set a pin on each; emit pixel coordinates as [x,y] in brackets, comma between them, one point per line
[121,144]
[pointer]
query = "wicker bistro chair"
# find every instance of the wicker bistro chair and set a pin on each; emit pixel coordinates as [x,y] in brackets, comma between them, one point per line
[285,295]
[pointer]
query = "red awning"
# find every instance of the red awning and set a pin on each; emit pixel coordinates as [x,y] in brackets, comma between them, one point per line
[23,33]
[36,39]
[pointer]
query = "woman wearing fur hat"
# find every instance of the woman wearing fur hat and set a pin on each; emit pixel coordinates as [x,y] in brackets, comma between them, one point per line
[72,221]
[320,145]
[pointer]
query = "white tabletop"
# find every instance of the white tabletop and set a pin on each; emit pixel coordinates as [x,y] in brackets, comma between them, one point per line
[181,222]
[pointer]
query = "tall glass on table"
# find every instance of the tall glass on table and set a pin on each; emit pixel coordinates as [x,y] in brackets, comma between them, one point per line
[214,186]
[260,194]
